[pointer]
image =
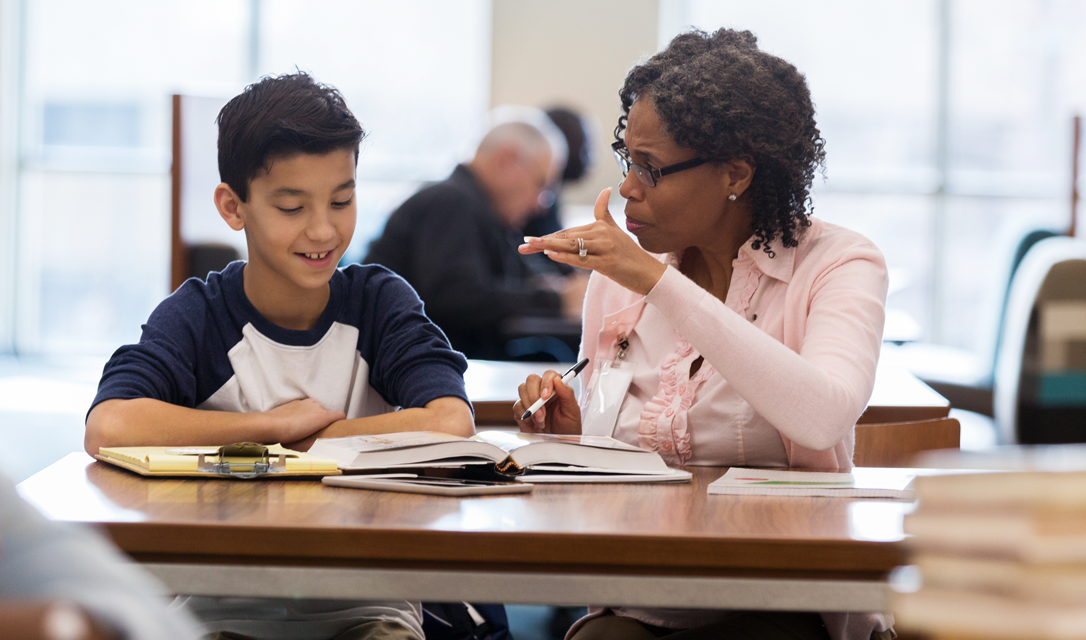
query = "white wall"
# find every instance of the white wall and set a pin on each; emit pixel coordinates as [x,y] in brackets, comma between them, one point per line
[574,53]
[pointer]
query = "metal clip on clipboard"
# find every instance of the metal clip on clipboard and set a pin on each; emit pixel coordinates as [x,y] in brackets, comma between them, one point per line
[259,463]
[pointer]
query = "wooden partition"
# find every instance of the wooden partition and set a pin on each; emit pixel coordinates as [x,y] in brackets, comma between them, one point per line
[179,263]
[194,174]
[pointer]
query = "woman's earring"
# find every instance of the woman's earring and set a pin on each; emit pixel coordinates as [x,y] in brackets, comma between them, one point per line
[732,197]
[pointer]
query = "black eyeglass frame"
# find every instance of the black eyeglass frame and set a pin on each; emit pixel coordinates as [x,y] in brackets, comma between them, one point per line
[622,157]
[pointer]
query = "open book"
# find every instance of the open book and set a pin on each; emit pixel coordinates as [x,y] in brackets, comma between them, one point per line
[546,457]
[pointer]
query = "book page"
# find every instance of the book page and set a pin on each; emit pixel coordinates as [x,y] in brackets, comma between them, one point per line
[509,441]
[676,476]
[385,441]
[861,483]
[572,468]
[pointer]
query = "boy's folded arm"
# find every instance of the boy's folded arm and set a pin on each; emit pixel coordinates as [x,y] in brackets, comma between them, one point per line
[448,414]
[149,422]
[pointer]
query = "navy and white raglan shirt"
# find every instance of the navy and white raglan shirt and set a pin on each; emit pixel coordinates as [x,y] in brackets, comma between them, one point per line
[372,350]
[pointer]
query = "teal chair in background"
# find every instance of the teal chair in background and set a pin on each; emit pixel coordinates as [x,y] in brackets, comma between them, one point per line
[966,377]
[1040,373]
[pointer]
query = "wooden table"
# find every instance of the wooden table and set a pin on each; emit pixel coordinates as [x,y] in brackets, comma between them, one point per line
[899,396]
[634,545]
[29,620]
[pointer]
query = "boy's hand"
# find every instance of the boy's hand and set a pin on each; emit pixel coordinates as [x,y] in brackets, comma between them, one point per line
[299,419]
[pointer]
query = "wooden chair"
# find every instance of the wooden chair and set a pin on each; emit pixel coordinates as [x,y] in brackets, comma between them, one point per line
[892,444]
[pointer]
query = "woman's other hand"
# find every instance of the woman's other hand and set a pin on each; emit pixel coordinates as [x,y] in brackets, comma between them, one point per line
[561,415]
[609,250]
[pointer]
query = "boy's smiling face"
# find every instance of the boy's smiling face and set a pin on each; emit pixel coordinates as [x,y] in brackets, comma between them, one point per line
[298,222]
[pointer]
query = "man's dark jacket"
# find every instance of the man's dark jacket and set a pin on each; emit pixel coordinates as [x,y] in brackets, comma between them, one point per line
[451,246]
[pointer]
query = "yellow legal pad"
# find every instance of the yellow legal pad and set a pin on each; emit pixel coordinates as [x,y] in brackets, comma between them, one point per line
[243,460]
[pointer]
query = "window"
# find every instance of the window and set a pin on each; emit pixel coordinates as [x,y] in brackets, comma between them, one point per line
[94,116]
[948,127]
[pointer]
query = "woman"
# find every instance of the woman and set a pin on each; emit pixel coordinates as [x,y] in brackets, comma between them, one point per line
[749,332]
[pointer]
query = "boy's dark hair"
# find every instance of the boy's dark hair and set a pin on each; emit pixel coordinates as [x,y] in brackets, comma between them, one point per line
[281,116]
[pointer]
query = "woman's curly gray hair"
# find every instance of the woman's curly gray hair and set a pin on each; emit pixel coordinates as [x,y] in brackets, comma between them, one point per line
[724,98]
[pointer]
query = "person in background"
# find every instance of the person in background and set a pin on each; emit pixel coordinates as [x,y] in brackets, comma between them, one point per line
[737,330]
[578,162]
[456,241]
[86,587]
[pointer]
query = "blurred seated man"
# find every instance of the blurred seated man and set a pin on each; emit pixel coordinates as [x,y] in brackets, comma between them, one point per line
[579,137]
[456,241]
[59,580]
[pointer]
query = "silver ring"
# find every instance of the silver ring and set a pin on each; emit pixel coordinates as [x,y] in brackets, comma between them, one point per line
[581,251]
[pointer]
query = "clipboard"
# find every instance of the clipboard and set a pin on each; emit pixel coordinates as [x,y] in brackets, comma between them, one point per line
[242,460]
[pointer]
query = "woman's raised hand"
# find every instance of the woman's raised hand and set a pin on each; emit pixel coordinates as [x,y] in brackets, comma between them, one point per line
[561,415]
[608,250]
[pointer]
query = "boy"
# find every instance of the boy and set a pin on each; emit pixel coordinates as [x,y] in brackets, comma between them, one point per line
[286,348]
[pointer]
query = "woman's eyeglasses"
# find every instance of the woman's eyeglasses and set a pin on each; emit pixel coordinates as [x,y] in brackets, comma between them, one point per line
[648,175]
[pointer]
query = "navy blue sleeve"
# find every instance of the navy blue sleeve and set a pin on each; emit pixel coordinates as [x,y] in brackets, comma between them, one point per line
[162,365]
[411,361]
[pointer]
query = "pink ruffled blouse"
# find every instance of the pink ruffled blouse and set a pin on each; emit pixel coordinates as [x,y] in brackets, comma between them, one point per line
[789,357]
[789,365]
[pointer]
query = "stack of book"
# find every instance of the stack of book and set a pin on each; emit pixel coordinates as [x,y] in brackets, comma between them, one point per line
[999,555]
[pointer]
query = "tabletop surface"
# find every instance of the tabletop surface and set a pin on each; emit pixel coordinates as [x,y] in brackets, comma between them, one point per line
[666,529]
[899,396]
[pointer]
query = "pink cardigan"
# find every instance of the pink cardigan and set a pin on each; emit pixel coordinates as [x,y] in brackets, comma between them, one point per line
[795,343]
[797,340]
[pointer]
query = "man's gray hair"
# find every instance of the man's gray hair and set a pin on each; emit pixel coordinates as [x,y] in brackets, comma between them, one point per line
[529,130]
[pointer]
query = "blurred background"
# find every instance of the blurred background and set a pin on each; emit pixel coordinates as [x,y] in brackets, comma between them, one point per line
[948,127]
[948,122]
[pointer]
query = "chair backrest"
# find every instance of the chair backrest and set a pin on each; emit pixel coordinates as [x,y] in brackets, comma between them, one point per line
[893,444]
[1008,249]
[1054,269]
[966,374]
[1024,246]
[210,256]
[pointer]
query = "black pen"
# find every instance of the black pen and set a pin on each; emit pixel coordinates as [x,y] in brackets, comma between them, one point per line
[567,377]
